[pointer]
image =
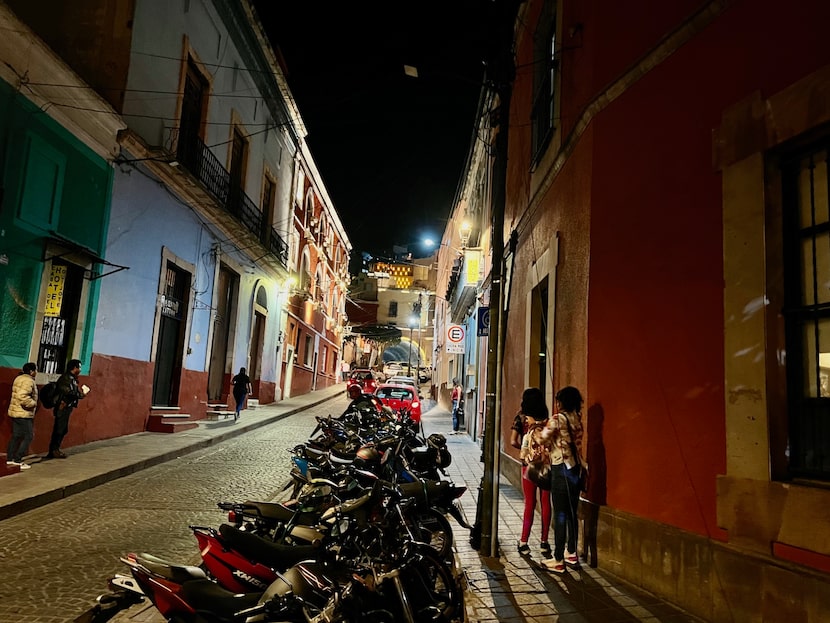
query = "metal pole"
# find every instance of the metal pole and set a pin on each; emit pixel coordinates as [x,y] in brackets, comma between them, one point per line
[409,359]
[502,69]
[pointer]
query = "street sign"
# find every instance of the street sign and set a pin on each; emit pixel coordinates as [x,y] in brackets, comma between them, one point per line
[483,321]
[455,339]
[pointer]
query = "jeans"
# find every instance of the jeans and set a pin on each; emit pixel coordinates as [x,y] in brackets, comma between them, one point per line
[455,415]
[565,494]
[60,428]
[530,492]
[240,400]
[22,433]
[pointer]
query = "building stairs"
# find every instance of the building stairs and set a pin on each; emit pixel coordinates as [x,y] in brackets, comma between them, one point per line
[169,420]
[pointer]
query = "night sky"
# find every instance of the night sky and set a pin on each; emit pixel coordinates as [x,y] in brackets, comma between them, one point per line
[390,148]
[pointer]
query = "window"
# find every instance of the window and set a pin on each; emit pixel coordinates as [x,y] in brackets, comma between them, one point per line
[191,124]
[393,309]
[544,79]
[308,355]
[806,227]
[268,199]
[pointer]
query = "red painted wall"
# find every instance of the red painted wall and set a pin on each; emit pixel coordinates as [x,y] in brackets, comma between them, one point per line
[639,312]
[655,338]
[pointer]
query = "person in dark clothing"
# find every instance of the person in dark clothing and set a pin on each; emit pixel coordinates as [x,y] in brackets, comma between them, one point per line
[69,393]
[241,388]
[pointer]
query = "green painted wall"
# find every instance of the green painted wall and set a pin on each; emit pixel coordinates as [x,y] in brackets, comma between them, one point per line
[51,184]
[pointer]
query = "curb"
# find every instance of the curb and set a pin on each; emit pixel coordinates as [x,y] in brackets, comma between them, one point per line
[59,493]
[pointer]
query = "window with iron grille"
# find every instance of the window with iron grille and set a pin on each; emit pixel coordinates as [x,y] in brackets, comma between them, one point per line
[806,229]
[544,79]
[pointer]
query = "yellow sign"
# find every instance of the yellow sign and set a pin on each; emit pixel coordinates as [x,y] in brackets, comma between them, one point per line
[54,291]
[472,265]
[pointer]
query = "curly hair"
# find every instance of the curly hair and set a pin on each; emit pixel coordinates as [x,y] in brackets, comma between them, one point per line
[533,403]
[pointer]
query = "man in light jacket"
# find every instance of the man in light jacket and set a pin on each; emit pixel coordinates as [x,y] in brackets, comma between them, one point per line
[22,409]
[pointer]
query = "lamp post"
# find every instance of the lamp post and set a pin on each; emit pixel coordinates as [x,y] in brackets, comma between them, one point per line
[412,322]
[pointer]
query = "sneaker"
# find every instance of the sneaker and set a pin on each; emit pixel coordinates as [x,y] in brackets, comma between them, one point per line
[24,466]
[524,549]
[557,566]
[12,463]
[571,559]
[545,549]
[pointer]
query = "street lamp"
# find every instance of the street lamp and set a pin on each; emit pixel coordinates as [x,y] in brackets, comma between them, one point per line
[413,322]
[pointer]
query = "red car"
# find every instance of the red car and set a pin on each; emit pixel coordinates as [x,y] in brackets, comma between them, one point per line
[397,397]
[365,378]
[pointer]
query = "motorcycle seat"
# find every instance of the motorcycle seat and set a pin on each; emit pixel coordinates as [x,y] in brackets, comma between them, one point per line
[274,555]
[173,571]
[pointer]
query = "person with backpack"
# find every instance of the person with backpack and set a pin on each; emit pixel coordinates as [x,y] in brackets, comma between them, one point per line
[67,395]
[532,437]
[568,473]
[22,407]
[241,388]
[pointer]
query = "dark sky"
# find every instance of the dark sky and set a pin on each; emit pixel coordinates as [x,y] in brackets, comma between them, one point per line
[390,148]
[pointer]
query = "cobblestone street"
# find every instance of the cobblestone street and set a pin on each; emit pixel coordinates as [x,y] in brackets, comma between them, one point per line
[56,559]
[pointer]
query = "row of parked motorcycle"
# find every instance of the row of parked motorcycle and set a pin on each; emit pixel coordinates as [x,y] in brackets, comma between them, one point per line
[363,536]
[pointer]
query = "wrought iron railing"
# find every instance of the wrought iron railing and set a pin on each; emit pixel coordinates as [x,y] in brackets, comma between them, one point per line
[194,155]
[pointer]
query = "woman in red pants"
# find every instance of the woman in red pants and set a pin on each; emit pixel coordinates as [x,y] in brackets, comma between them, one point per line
[532,415]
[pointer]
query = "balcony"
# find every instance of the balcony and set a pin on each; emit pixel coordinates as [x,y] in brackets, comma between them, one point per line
[194,155]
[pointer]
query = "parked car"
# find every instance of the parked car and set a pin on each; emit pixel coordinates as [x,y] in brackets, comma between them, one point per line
[397,396]
[392,368]
[403,380]
[424,374]
[365,378]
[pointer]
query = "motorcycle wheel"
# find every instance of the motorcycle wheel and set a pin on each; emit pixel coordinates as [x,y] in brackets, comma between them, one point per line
[434,529]
[433,590]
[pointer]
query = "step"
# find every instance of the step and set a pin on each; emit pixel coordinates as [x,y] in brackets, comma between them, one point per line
[214,415]
[220,406]
[169,420]
[252,403]
[160,425]
[7,470]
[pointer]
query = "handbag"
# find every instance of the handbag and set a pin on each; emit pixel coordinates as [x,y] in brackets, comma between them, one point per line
[539,474]
[583,473]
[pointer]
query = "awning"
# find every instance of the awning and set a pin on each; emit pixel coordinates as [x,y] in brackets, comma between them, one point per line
[80,251]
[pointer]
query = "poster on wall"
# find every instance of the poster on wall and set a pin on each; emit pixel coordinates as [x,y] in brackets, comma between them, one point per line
[54,291]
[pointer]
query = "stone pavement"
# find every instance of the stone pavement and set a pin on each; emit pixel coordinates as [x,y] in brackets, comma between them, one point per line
[507,588]
[515,588]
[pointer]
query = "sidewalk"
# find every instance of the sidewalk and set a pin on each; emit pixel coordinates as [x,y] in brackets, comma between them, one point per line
[513,588]
[509,588]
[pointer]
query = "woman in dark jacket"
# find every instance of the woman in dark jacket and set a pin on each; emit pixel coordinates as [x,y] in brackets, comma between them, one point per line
[241,388]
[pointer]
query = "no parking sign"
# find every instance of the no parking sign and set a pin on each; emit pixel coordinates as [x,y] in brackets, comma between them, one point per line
[455,339]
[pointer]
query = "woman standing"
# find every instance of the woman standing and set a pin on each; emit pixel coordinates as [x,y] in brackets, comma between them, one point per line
[532,417]
[567,464]
[22,407]
[241,388]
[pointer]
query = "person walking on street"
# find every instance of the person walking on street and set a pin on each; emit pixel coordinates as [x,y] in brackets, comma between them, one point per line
[532,415]
[22,407]
[68,395]
[241,388]
[455,397]
[567,477]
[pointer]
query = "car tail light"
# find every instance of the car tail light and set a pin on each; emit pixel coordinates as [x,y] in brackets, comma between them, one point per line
[415,403]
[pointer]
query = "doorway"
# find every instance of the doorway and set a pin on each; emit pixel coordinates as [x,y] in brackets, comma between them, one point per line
[223,325]
[171,335]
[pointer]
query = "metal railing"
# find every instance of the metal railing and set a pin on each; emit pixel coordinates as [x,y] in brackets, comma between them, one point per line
[194,155]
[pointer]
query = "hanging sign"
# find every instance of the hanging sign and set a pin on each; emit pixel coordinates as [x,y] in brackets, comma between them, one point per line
[472,266]
[455,339]
[54,291]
